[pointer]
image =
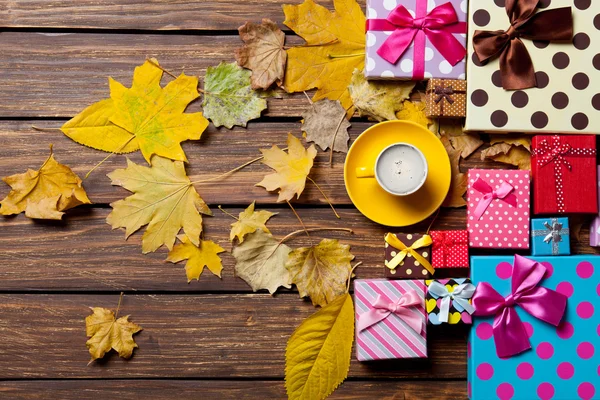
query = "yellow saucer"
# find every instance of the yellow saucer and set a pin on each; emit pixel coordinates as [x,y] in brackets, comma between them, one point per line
[377,204]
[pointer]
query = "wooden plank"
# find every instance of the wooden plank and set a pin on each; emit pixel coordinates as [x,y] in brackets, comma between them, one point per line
[139,14]
[83,253]
[159,389]
[192,336]
[217,152]
[58,74]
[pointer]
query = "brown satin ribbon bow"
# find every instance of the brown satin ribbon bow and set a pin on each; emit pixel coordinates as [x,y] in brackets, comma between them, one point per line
[516,67]
[444,93]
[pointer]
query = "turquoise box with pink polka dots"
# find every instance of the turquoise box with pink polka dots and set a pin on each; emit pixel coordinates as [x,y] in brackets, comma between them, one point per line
[563,362]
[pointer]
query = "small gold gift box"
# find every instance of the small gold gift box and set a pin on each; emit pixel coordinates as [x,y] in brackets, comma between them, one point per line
[446,98]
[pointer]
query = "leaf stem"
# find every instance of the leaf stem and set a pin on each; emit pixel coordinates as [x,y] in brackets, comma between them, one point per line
[161,68]
[295,233]
[298,216]
[350,275]
[345,55]
[335,135]
[312,45]
[45,129]
[433,220]
[226,213]
[119,305]
[108,156]
[324,195]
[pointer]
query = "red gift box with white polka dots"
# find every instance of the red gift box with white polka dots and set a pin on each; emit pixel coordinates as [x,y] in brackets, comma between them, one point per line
[564,174]
[505,222]
[450,249]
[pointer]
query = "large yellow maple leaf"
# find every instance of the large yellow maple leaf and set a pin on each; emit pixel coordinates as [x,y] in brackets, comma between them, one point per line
[145,116]
[335,46]
[106,333]
[163,197]
[292,168]
[45,193]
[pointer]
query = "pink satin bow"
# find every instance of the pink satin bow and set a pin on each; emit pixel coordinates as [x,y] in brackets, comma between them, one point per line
[382,308]
[545,304]
[438,26]
[504,193]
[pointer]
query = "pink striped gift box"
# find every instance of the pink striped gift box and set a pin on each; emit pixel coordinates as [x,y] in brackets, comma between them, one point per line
[391,337]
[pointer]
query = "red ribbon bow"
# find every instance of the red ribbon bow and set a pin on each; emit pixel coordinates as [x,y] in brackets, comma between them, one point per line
[516,67]
[504,193]
[545,304]
[444,243]
[438,26]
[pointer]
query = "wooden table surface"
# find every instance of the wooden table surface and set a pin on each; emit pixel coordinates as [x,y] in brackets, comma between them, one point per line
[209,339]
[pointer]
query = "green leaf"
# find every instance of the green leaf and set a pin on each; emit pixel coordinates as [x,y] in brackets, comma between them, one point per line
[228,96]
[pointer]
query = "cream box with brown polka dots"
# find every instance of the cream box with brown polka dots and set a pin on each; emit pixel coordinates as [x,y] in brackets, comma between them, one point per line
[567,96]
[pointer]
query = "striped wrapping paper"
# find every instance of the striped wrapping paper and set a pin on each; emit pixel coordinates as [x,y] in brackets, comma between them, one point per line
[392,337]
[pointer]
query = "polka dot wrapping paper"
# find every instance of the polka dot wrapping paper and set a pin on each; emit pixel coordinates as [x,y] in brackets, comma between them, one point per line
[502,225]
[436,66]
[563,362]
[392,337]
[450,249]
[564,174]
[446,98]
[409,268]
[567,99]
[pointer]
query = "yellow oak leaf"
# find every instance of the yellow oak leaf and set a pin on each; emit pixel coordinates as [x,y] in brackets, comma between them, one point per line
[321,271]
[163,198]
[106,333]
[415,112]
[458,182]
[45,193]
[292,168]
[249,221]
[260,261]
[262,53]
[206,254]
[335,46]
[145,116]
[378,100]
[317,355]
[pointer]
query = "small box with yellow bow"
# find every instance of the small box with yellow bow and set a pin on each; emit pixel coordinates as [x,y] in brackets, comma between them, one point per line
[408,256]
[448,301]
[446,98]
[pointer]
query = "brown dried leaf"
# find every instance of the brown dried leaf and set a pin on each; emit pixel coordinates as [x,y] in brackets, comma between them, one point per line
[522,140]
[467,143]
[458,185]
[508,154]
[321,122]
[263,53]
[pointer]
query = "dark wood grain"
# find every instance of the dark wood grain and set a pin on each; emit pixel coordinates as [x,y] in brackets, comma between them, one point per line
[218,151]
[140,14]
[225,390]
[192,336]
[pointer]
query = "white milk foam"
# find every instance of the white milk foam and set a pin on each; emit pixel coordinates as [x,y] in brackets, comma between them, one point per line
[400,169]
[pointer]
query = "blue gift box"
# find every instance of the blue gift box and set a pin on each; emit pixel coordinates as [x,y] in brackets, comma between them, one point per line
[564,362]
[550,237]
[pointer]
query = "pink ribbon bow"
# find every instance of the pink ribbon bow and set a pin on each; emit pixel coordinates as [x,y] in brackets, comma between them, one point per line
[504,193]
[438,26]
[382,308]
[545,304]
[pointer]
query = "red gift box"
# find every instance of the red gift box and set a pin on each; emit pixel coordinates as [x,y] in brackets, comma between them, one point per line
[564,174]
[450,249]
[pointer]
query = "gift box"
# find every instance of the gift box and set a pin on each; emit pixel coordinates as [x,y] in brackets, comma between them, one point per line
[550,84]
[550,237]
[397,48]
[450,249]
[564,174]
[595,226]
[498,208]
[407,256]
[552,362]
[446,98]
[391,321]
[449,301]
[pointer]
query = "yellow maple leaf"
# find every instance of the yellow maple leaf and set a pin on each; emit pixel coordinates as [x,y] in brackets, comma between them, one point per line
[206,254]
[145,116]
[292,168]
[45,193]
[414,111]
[163,197]
[106,333]
[317,355]
[335,47]
[321,271]
[249,221]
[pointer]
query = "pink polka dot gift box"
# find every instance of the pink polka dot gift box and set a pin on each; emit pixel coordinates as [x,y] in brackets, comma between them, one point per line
[539,335]
[498,209]
[416,39]
[534,66]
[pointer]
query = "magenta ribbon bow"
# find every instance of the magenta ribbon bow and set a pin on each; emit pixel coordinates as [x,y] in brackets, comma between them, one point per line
[382,308]
[504,193]
[438,26]
[545,304]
